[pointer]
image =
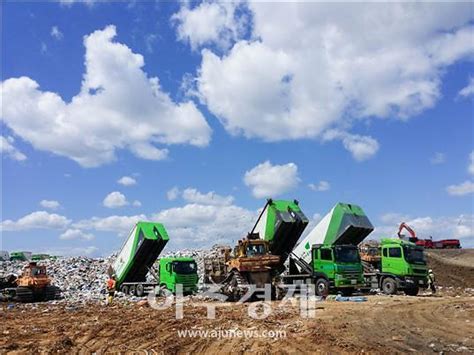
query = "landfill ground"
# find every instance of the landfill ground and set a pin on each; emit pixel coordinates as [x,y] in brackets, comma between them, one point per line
[399,323]
[425,323]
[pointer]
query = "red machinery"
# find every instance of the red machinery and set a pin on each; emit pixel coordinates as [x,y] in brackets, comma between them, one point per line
[428,243]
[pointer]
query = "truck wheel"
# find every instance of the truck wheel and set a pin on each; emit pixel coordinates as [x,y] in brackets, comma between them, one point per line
[124,289]
[389,286]
[139,291]
[411,291]
[322,287]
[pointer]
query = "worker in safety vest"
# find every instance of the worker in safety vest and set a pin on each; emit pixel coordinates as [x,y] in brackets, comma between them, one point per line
[111,289]
[431,281]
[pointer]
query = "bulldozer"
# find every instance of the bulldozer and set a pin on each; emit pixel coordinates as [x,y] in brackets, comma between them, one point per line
[32,285]
[250,264]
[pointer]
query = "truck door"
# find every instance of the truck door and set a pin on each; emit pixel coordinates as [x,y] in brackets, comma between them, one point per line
[326,262]
[392,260]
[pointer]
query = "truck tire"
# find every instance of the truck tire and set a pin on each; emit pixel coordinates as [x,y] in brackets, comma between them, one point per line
[322,287]
[389,286]
[139,290]
[411,291]
[124,289]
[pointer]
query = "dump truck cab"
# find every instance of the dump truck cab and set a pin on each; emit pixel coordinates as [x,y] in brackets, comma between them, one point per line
[178,270]
[338,265]
[403,267]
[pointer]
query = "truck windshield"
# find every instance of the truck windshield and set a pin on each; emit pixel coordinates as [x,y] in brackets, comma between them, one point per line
[414,255]
[347,254]
[255,249]
[184,267]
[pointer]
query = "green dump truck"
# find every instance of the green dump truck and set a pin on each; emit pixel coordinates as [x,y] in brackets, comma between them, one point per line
[328,256]
[20,255]
[178,270]
[281,223]
[401,267]
[137,257]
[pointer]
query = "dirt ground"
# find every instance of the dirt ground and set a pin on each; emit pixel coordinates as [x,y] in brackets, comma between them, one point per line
[383,323]
[441,323]
[452,267]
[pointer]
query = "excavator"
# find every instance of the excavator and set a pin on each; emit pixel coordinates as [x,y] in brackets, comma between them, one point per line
[427,243]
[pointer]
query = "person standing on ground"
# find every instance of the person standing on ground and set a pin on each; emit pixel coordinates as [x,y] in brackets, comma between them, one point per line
[431,281]
[111,289]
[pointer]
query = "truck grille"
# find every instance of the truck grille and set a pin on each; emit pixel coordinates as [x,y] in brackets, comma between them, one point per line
[351,274]
[186,279]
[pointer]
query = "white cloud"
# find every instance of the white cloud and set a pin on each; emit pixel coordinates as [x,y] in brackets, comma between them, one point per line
[71,234]
[115,199]
[118,107]
[36,220]
[211,198]
[7,149]
[470,167]
[469,89]
[56,33]
[117,224]
[438,158]
[386,63]
[173,194]
[203,225]
[320,186]
[267,180]
[465,188]
[51,204]
[443,227]
[127,181]
[136,203]
[209,22]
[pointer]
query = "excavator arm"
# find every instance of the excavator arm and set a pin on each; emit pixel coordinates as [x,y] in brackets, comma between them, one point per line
[410,230]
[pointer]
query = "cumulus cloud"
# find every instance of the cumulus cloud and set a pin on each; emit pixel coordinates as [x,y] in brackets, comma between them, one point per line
[267,180]
[117,224]
[127,181]
[211,198]
[173,193]
[470,167]
[438,158]
[56,33]
[8,150]
[210,23]
[443,227]
[136,203]
[115,199]
[118,107]
[464,188]
[386,63]
[51,204]
[36,220]
[205,225]
[320,186]
[468,90]
[71,234]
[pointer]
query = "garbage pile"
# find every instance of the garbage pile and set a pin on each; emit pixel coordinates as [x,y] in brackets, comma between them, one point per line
[83,279]
[80,279]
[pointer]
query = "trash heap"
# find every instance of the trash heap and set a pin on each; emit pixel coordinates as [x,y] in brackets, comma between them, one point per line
[83,279]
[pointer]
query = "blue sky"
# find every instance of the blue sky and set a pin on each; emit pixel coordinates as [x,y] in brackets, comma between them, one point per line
[376,111]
